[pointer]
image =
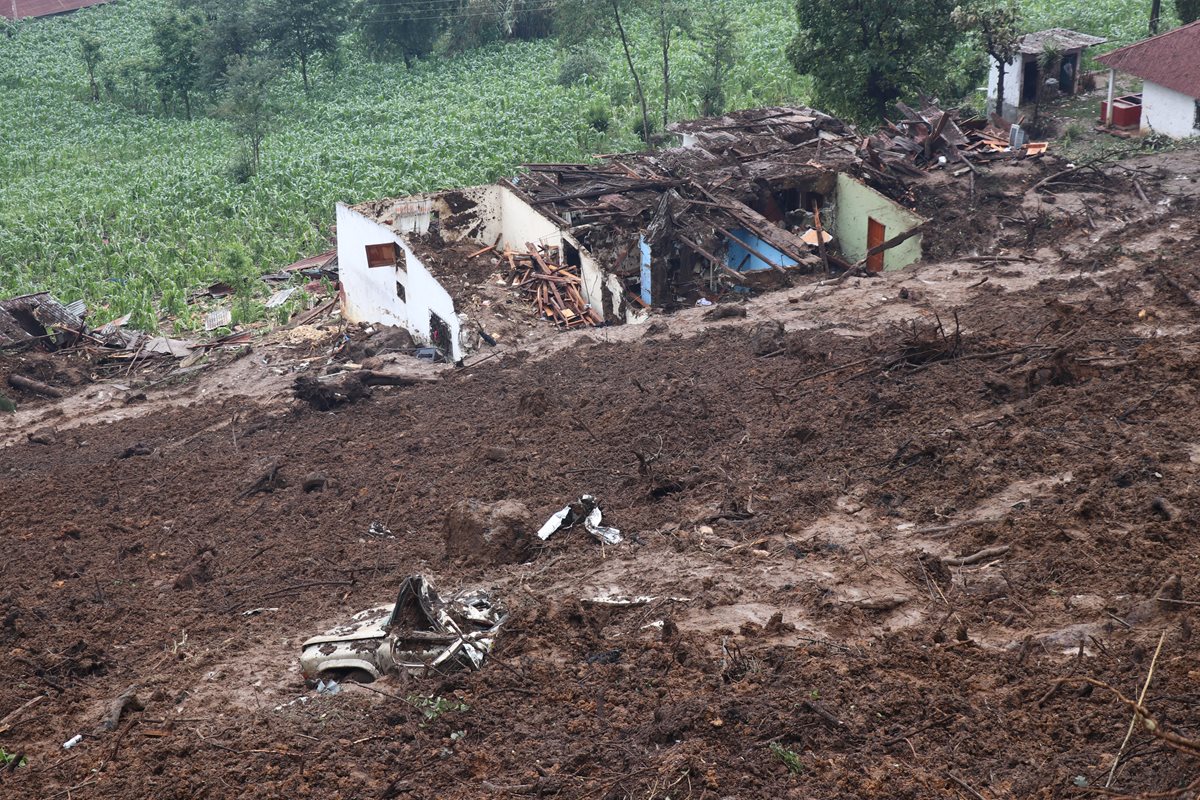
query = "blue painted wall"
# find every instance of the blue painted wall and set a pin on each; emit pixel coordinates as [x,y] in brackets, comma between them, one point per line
[736,254]
[647,296]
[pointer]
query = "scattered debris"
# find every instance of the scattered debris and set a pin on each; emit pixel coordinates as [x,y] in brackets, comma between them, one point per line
[932,138]
[380,531]
[420,634]
[586,510]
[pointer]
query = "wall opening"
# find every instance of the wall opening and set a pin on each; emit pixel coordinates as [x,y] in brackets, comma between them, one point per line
[388,254]
[1029,81]
[400,292]
[571,255]
[439,334]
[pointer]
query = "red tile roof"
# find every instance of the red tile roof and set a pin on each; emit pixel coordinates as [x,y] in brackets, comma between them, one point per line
[20,9]
[1171,59]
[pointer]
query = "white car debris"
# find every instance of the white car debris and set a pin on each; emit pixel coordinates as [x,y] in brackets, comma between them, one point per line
[420,633]
[588,510]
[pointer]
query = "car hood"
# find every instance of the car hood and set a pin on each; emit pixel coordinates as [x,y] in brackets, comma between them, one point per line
[369,624]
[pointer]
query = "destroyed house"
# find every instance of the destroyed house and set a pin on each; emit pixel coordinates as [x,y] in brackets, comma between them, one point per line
[746,201]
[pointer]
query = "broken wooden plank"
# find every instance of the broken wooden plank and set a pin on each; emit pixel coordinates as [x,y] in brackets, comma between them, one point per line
[892,242]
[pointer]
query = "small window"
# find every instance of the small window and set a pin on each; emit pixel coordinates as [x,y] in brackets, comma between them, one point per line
[385,255]
[400,292]
[1196,116]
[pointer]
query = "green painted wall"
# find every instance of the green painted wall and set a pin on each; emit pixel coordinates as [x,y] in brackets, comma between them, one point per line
[854,204]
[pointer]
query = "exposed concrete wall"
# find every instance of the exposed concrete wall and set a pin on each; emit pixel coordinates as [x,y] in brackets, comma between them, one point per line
[1168,112]
[369,293]
[854,205]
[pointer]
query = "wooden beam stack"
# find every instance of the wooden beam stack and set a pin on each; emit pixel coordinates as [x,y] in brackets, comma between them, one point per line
[553,287]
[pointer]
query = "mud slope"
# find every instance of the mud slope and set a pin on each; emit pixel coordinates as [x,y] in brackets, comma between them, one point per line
[789,497]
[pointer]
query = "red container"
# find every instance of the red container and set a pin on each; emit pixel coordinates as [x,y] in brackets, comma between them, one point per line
[1127,112]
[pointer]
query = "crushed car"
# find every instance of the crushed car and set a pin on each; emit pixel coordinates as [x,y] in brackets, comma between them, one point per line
[420,634]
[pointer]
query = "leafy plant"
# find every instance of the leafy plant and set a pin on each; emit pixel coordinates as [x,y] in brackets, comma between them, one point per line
[7,758]
[434,706]
[790,758]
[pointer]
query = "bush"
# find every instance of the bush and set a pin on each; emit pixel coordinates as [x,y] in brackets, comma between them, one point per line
[637,128]
[598,116]
[580,65]
[241,169]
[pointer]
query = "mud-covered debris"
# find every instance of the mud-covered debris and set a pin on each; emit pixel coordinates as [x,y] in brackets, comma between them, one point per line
[491,533]
[725,312]
[419,634]
[586,510]
[315,482]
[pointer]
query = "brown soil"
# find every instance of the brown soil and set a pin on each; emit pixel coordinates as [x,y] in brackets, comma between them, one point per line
[787,510]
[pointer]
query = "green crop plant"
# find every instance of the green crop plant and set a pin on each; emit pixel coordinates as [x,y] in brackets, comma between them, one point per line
[790,758]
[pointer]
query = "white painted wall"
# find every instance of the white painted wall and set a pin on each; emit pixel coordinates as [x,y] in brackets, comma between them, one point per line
[1013,74]
[369,294]
[1168,112]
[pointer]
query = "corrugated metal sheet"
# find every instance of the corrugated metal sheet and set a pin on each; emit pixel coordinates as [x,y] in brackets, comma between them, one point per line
[28,317]
[23,9]
[1171,59]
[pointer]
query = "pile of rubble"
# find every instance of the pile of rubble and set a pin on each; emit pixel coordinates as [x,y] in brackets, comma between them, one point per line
[932,138]
[552,286]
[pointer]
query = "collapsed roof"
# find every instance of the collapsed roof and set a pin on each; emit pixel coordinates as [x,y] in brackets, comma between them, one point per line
[1033,44]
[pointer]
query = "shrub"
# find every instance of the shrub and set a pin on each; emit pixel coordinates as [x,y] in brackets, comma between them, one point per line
[581,64]
[598,116]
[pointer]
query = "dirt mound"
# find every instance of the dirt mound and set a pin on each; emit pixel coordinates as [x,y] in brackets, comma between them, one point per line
[489,533]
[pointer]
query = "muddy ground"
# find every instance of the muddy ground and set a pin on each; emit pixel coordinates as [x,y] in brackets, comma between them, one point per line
[790,484]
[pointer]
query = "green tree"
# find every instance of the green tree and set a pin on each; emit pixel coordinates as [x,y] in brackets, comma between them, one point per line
[230,30]
[248,104]
[863,55]
[299,30]
[717,36]
[996,22]
[1188,10]
[177,37]
[577,21]
[407,28]
[89,50]
[670,16]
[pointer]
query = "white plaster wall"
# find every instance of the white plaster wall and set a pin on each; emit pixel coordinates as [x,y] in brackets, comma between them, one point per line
[1168,112]
[521,223]
[1013,74]
[425,294]
[369,294]
[413,214]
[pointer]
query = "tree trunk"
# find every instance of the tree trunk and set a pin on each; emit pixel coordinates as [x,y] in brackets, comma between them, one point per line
[1155,13]
[187,104]
[633,71]
[664,29]
[304,68]
[1000,65]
